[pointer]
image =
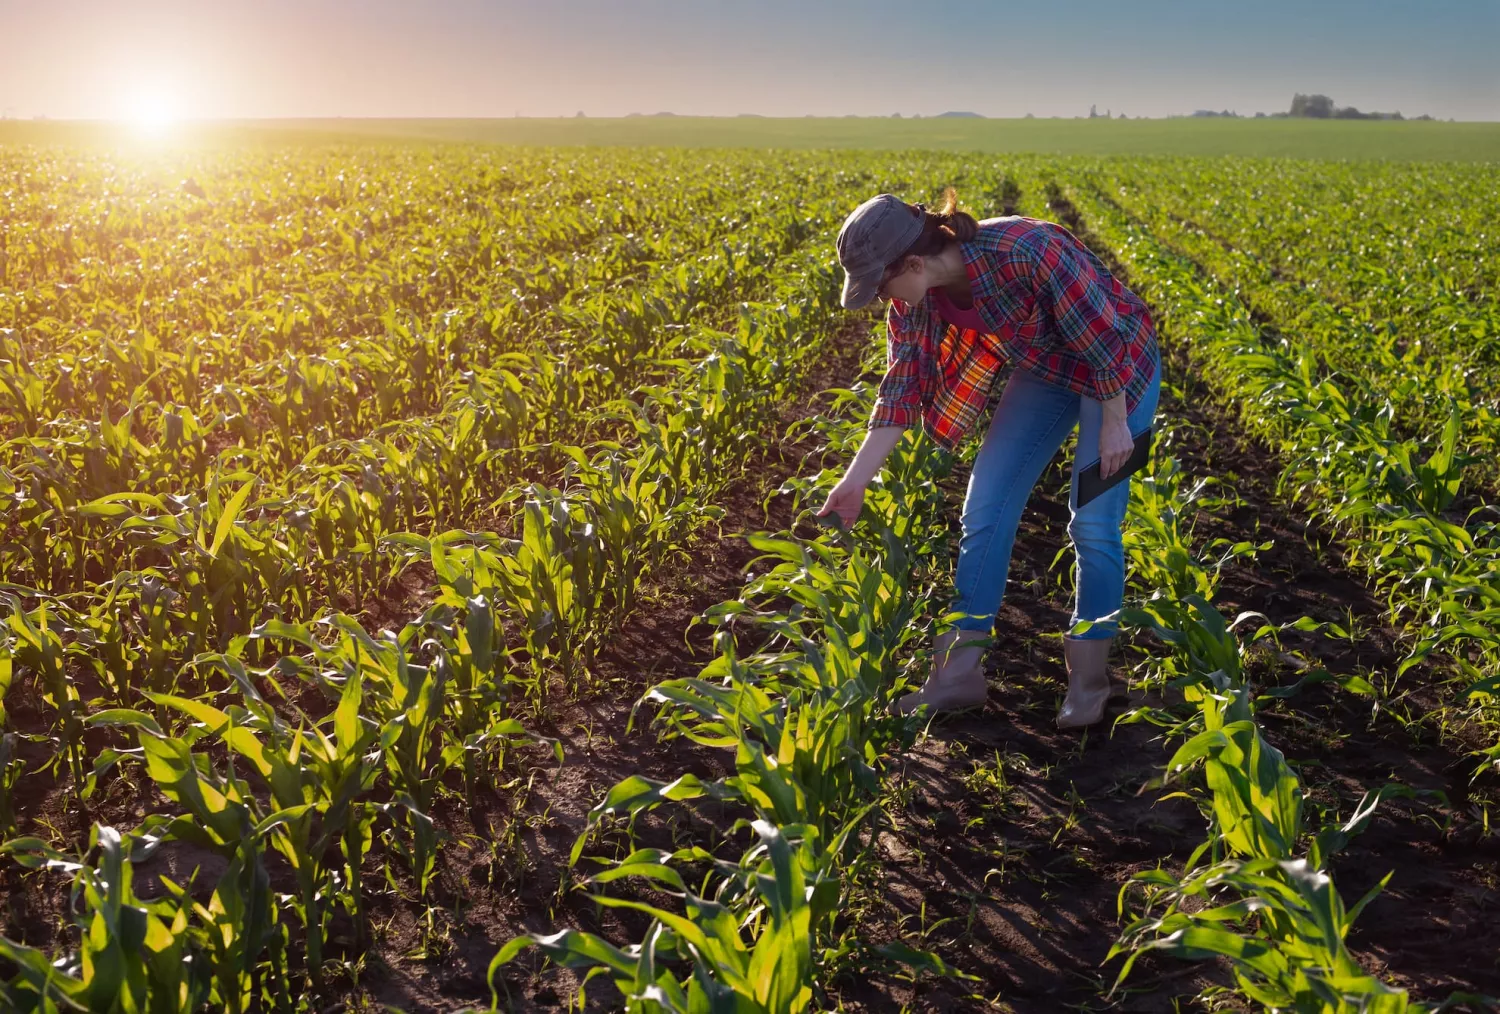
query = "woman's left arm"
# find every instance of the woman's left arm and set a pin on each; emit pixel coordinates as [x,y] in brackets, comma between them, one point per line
[1070,289]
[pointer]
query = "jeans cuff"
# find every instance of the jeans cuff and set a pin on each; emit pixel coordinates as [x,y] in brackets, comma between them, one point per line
[1100,631]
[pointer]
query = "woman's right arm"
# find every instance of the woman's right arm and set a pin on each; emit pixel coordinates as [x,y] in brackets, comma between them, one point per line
[898,404]
[848,496]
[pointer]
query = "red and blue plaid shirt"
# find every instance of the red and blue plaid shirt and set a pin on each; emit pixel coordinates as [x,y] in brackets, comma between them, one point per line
[1051,307]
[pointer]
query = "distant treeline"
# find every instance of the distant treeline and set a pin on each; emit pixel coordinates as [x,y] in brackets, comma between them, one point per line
[1318,107]
[1321,107]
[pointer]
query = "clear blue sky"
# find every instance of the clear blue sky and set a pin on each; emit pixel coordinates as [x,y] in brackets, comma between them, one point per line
[251,58]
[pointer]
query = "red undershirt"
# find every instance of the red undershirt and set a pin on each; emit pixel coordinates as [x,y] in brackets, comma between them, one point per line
[963,318]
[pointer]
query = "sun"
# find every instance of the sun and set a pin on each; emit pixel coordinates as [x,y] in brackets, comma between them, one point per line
[152,113]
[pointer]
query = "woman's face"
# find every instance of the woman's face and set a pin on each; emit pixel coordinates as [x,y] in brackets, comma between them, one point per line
[906,280]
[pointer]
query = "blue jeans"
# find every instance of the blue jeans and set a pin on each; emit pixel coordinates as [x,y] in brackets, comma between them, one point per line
[1031,421]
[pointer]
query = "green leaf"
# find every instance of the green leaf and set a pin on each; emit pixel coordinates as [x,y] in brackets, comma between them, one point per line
[228,517]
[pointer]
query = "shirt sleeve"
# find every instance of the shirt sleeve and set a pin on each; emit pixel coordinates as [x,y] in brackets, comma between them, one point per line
[1079,301]
[898,399]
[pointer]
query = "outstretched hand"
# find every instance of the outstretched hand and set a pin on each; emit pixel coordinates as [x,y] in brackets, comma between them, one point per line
[846,499]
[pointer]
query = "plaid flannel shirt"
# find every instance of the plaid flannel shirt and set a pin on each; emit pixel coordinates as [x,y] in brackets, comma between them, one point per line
[1052,308]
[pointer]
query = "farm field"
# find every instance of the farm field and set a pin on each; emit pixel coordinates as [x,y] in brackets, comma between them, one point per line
[412,598]
[1404,141]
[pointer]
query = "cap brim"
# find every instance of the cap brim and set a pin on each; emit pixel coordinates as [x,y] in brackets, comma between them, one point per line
[858,291]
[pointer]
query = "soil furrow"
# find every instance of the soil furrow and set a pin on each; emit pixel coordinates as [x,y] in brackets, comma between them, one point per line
[515,889]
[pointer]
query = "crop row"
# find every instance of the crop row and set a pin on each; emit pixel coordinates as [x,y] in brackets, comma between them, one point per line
[1382,272]
[1257,892]
[1385,493]
[805,718]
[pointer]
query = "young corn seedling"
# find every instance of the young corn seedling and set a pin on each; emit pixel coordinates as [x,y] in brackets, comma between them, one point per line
[134,953]
[222,816]
[1283,925]
[1278,919]
[762,964]
[316,783]
[35,643]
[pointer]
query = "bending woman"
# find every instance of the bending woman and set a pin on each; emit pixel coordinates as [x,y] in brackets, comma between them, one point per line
[968,298]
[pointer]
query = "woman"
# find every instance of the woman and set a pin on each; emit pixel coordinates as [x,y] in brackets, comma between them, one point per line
[966,299]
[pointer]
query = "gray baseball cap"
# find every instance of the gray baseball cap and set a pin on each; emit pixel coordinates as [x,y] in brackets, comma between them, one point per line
[872,237]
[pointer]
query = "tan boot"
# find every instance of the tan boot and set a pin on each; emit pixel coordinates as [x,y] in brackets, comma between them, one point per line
[957,679]
[1088,681]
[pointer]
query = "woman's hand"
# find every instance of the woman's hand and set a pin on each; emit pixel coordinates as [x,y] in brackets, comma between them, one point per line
[845,500]
[1115,442]
[848,496]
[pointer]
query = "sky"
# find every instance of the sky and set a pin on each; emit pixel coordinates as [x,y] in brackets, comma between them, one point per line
[203,59]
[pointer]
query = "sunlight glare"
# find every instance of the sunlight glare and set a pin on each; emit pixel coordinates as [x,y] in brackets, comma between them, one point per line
[152,113]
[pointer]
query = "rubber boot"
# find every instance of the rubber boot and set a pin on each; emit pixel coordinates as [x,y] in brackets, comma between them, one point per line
[1088,681]
[957,679]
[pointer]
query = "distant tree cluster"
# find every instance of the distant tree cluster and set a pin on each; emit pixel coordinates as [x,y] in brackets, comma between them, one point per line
[1317,107]
[1314,107]
[1321,107]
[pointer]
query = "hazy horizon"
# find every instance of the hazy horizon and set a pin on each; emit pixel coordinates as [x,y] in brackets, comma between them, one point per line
[458,59]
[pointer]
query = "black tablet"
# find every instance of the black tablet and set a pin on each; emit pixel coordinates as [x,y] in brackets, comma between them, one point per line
[1089,483]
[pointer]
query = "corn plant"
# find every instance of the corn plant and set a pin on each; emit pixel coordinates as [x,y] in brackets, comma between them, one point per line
[135,954]
[761,964]
[1289,953]
[36,644]
[223,816]
[1275,917]
[315,782]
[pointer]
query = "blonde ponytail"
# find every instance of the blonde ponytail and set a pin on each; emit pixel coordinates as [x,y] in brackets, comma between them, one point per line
[939,228]
[958,224]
